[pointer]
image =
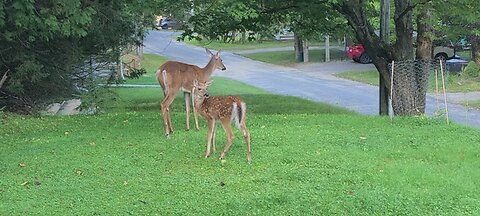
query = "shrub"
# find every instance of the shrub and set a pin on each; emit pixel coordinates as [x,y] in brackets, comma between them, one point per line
[472,70]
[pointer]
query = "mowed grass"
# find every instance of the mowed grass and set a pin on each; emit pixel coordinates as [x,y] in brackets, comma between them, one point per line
[453,83]
[288,57]
[308,159]
[472,103]
[237,46]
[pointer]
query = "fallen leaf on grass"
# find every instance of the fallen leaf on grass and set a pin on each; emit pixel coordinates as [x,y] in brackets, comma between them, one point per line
[37,183]
[24,183]
[79,172]
[363,138]
[222,184]
[351,193]
[92,143]
[66,133]
[22,165]
[125,183]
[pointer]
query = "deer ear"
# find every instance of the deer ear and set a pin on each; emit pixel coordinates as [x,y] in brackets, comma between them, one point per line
[208,52]
[218,53]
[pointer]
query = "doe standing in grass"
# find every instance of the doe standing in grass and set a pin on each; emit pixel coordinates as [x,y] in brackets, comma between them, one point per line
[173,76]
[226,109]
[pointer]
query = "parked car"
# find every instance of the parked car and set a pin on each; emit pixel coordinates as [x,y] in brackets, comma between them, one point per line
[167,23]
[357,53]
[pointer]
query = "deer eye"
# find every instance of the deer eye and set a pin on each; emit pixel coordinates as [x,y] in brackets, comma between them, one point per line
[199,89]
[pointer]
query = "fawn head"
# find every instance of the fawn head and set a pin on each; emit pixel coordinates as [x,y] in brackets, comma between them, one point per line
[216,57]
[200,89]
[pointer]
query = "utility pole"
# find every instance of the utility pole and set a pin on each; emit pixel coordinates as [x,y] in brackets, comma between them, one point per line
[385,35]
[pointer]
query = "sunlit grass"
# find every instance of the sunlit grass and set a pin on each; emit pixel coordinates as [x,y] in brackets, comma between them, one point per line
[453,83]
[288,57]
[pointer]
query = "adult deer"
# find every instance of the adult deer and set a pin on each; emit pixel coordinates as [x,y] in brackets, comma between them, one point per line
[226,109]
[174,75]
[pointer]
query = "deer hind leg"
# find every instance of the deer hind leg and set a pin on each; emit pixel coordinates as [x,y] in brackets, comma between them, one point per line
[164,106]
[210,135]
[246,135]
[187,108]
[228,130]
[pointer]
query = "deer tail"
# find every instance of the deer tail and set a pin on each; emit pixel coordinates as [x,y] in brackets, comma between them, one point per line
[238,113]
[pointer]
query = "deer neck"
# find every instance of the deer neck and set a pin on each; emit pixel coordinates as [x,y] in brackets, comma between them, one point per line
[198,100]
[209,68]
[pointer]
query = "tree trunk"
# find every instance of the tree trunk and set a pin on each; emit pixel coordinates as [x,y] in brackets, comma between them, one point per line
[475,41]
[298,48]
[305,51]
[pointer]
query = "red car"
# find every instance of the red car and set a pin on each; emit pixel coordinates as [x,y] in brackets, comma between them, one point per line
[357,53]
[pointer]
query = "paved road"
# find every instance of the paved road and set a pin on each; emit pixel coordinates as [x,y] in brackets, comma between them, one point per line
[318,85]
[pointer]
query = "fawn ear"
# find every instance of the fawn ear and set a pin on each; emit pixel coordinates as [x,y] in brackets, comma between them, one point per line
[208,83]
[208,52]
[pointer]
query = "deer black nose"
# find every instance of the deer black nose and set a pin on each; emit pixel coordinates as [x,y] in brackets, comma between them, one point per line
[224,68]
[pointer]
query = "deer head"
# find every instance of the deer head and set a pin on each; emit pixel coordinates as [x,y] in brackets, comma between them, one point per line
[216,58]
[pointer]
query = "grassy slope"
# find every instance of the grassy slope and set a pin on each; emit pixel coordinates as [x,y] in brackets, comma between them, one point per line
[288,57]
[308,158]
[454,83]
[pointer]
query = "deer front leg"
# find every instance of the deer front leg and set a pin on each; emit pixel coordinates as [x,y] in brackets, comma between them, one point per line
[213,138]
[210,125]
[186,95]
[195,114]
[228,130]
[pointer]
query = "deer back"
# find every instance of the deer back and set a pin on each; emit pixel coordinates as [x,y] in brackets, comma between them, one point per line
[219,107]
[178,75]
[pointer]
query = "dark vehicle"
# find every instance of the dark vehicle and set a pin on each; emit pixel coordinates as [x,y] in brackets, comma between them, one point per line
[167,23]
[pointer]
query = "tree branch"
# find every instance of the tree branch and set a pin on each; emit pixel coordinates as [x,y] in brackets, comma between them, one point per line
[3,78]
[409,8]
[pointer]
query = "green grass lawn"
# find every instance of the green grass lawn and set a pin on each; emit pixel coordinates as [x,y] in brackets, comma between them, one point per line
[472,103]
[237,46]
[454,83]
[308,159]
[288,57]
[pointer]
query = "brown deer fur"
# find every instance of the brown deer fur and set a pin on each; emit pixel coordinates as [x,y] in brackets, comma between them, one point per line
[173,76]
[225,109]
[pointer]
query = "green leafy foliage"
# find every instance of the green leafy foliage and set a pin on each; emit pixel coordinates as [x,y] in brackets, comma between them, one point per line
[472,70]
[46,44]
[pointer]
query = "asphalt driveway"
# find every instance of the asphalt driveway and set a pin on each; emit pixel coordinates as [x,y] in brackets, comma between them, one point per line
[314,82]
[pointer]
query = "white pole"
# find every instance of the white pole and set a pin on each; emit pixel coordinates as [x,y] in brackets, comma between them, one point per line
[327,48]
[391,90]
[436,89]
[443,87]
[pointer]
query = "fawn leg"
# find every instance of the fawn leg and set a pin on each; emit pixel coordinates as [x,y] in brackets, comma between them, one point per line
[246,135]
[228,130]
[210,125]
[213,138]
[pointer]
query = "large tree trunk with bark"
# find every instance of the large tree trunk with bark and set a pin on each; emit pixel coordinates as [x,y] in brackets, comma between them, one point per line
[298,48]
[475,41]
[382,53]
